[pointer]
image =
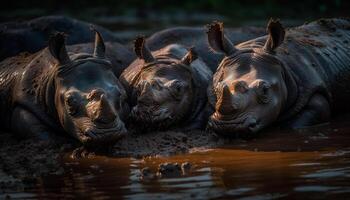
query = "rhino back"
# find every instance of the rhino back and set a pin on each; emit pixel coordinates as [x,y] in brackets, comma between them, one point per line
[31,36]
[11,70]
[197,37]
[325,43]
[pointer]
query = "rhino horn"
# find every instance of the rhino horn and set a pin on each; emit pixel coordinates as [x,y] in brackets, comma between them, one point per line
[100,48]
[218,41]
[224,103]
[189,57]
[142,51]
[57,48]
[107,114]
[276,35]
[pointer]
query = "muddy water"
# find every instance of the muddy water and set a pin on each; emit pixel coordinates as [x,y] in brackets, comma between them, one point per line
[305,164]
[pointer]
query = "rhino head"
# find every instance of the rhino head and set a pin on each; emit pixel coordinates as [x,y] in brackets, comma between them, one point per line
[164,90]
[248,91]
[88,99]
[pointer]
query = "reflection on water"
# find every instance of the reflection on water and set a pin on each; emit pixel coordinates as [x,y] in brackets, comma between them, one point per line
[312,164]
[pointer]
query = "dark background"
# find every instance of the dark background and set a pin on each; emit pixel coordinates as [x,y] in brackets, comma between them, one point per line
[240,9]
[129,17]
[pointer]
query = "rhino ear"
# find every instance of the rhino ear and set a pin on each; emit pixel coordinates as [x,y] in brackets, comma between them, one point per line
[276,35]
[58,49]
[218,41]
[100,48]
[142,51]
[189,57]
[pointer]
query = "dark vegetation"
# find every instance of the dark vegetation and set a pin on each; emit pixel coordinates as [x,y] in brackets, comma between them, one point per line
[135,17]
[235,10]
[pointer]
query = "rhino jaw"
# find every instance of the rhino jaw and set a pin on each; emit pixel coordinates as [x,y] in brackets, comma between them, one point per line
[241,126]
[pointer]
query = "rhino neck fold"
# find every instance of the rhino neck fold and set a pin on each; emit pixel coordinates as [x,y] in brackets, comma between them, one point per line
[292,92]
[45,108]
[198,100]
[36,89]
[47,95]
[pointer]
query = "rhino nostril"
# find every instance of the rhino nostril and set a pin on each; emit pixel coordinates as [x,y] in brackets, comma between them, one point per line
[252,123]
[106,119]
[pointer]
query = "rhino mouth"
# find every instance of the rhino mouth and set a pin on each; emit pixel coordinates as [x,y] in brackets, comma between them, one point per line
[227,125]
[96,134]
[159,118]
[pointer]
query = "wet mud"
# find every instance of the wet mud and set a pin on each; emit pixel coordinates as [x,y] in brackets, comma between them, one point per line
[164,143]
[24,161]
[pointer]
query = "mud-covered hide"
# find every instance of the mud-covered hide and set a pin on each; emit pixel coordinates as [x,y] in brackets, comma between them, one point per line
[317,54]
[32,35]
[188,37]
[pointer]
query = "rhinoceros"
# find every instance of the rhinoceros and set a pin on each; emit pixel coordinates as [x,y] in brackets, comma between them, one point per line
[293,78]
[31,36]
[166,88]
[56,91]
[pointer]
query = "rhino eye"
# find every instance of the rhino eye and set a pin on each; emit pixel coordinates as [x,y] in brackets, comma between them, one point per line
[156,85]
[72,104]
[241,87]
[177,90]
[262,91]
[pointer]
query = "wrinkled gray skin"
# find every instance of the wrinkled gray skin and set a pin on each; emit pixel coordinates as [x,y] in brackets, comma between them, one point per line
[51,91]
[31,36]
[167,88]
[197,37]
[117,54]
[294,77]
